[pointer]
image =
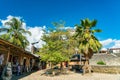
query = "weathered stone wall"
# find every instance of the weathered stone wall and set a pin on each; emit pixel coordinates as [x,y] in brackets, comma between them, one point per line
[109,59]
[106,69]
[112,63]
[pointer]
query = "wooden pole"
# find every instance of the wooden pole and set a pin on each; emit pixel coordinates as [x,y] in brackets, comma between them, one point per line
[21,61]
[8,55]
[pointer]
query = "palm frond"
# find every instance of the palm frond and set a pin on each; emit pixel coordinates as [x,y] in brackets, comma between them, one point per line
[15,32]
[86,38]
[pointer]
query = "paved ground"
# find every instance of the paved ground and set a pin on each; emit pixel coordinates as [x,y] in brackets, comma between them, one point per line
[71,76]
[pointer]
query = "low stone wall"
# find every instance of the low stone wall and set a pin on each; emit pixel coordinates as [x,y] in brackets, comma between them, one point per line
[109,59]
[105,69]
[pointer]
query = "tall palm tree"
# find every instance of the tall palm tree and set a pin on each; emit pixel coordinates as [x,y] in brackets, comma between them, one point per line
[88,43]
[14,33]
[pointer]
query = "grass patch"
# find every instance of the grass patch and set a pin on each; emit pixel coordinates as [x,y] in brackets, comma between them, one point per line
[101,63]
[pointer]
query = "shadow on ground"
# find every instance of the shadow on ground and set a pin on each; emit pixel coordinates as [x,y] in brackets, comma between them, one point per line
[15,77]
[57,72]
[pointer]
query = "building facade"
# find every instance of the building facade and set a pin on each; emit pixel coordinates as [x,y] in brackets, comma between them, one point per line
[16,56]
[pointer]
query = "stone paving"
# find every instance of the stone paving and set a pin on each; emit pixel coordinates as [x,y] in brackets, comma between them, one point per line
[71,76]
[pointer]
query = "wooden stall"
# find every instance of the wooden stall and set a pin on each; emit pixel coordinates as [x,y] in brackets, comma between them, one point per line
[77,61]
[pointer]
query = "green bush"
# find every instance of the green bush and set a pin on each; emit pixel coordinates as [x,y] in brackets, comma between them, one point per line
[101,63]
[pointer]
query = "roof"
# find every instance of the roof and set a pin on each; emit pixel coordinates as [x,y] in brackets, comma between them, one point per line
[6,45]
[114,49]
[76,57]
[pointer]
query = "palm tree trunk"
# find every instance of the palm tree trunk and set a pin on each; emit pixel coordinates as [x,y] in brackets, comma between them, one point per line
[87,61]
[86,66]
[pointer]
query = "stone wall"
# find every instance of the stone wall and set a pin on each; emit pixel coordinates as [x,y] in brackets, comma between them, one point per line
[106,69]
[112,63]
[109,59]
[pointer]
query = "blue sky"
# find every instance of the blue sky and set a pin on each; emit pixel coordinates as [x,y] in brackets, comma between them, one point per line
[43,12]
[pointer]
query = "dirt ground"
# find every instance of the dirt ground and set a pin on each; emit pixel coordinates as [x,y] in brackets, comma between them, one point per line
[71,76]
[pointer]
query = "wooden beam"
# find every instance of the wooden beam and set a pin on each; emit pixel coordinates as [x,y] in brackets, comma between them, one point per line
[2,49]
[13,48]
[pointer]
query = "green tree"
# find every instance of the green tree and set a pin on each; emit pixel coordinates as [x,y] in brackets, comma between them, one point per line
[14,32]
[88,43]
[66,35]
[57,48]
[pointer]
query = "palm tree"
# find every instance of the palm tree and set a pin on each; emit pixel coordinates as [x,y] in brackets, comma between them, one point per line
[88,43]
[14,33]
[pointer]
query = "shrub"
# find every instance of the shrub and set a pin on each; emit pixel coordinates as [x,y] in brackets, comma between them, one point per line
[101,63]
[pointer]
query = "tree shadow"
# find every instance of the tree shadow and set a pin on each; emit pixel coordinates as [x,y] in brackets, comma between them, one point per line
[16,77]
[55,72]
[79,71]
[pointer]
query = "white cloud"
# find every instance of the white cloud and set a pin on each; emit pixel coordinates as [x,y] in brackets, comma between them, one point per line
[106,42]
[37,33]
[8,19]
[24,26]
[110,43]
[117,44]
[104,49]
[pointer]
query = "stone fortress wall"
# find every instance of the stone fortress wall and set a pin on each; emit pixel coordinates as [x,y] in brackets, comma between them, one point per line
[112,62]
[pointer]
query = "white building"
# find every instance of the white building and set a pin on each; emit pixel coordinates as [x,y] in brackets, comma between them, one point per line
[114,50]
